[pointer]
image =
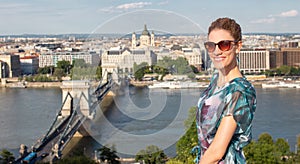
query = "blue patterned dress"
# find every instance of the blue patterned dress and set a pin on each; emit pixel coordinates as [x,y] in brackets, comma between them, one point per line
[236,98]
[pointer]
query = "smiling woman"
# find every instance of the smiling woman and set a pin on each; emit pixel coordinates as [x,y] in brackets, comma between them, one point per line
[227,106]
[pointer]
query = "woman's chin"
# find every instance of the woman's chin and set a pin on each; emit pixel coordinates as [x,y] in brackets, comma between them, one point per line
[219,65]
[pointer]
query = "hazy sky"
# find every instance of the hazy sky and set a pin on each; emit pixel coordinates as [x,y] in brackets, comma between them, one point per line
[127,16]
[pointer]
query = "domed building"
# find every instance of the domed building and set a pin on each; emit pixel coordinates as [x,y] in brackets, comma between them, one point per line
[146,39]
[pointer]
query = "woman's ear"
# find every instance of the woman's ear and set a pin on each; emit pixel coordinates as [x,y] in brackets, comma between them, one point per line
[239,47]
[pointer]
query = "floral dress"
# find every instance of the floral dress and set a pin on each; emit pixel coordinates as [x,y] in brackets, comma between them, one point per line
[236,98]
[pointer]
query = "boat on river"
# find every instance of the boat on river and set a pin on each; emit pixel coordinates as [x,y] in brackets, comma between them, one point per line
[17,85]
[280,84]
[177,85]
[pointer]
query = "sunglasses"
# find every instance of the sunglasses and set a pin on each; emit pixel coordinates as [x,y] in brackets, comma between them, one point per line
[224,45]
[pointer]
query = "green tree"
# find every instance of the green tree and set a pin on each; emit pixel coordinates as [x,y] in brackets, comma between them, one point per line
[46,70]
[79,63]
[29,78]
[151,155]
[174,161]
[109,155]
[194,69]
[64,65]
[76,160]
[159,70]
[282,147]
[166,62]
[265,150]
[6,156]
[189,140]
[178,66]
[59,73]
[99,72]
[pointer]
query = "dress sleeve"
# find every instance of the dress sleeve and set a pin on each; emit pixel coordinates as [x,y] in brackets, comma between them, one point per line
[238,106]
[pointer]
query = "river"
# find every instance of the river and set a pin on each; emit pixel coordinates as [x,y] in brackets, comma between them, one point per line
[138,118]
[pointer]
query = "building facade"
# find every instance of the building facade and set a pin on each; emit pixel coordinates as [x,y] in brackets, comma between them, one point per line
[29,65]
[285,56]
[124,59]
[254,61]
[193,56]
[51,59]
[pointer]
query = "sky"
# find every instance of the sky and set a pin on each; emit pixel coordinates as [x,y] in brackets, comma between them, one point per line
[127,16]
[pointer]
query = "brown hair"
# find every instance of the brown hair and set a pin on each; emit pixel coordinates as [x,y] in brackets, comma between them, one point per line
[229,25]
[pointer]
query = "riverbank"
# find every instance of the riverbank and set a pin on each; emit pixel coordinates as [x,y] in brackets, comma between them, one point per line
[31,85]
[15,83]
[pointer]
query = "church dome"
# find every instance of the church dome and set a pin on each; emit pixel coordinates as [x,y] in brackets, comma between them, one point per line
[145,32]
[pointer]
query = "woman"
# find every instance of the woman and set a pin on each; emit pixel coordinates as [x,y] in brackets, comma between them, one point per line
[226,107]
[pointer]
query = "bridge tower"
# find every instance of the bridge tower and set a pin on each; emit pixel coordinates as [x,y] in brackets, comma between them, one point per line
[79,90]
[109,70]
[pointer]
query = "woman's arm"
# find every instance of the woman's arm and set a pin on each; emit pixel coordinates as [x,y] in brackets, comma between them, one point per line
[219,145]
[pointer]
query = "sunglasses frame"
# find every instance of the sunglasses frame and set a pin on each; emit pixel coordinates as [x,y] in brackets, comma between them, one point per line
[220,45]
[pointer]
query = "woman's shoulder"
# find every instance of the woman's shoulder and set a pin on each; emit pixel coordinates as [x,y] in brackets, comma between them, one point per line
[242,85]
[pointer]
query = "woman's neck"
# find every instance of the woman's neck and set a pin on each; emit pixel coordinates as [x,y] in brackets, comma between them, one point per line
[227,76]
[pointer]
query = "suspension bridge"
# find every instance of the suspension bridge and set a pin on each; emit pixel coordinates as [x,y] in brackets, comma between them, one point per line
[80,103]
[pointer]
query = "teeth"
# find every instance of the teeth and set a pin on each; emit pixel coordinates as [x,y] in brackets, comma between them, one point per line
[218,59]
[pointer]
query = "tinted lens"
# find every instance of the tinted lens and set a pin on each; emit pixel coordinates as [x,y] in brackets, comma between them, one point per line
[224,45]
[210,46]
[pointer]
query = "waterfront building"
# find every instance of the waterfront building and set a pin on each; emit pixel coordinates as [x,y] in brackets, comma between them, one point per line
[124,59]
[51,58]
[121,59]
[29,64]
[10,65]
[254,60]
[285,56]
[193,56]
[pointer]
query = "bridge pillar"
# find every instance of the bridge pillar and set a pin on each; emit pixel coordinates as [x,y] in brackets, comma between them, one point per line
[109,69]
[79,90]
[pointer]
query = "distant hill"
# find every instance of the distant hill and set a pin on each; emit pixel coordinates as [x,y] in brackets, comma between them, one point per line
[116,35]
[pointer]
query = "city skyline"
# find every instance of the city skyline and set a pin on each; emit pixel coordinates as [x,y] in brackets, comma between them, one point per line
[126,16]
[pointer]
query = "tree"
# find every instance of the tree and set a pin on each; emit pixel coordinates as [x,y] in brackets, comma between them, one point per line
[109,155]
[64,65]
[266,151]
[59,73]
[99,72]
[178,66]
[76,160]
[151,155]
[79,63]
[46,70]
[189,140]
[194,69]
[6,156]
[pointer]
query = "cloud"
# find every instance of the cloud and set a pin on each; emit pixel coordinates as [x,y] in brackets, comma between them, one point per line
[107,9]
[267,20]
[291,13]
[163,3]
[9,6]
[125,7]
[135,5]
[272,18]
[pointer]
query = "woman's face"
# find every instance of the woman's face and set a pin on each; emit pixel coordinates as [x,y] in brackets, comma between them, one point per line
[223,59]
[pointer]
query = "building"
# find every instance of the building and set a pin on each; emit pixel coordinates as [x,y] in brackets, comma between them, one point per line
[254,61]
[29,65]
[146,39]
[193,56]
[10,65]
[124,59]
[285,56]
[51,59]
